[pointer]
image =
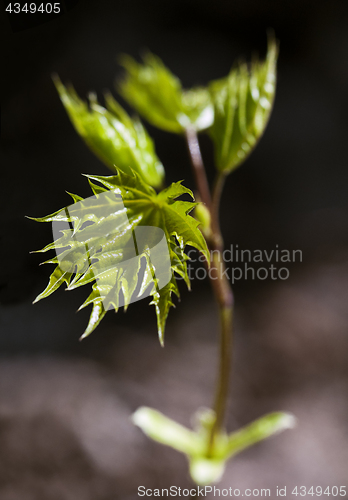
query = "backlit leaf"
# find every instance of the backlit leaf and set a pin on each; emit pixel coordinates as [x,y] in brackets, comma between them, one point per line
[112,135]
[242,106]
[159,97]
[113,240]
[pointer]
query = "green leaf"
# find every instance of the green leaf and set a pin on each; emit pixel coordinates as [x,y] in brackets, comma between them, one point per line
[264,427]
[166,431]
[112,135]
[242,106]
[115,241]
[159,97]
[207,465]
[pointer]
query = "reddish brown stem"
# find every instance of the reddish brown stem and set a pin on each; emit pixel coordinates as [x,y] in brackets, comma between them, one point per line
[220,284]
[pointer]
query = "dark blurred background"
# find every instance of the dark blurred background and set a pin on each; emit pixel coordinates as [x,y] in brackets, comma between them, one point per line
[64,405]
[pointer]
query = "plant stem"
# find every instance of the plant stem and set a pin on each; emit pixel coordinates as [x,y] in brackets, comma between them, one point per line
[224,296]
[220,284]
[215,206]
[198,167]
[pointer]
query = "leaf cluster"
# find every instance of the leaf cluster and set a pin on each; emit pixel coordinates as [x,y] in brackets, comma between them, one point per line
[207,466]
[233,110]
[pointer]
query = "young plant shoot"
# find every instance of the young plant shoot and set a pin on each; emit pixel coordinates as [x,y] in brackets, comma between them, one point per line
[129,239]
